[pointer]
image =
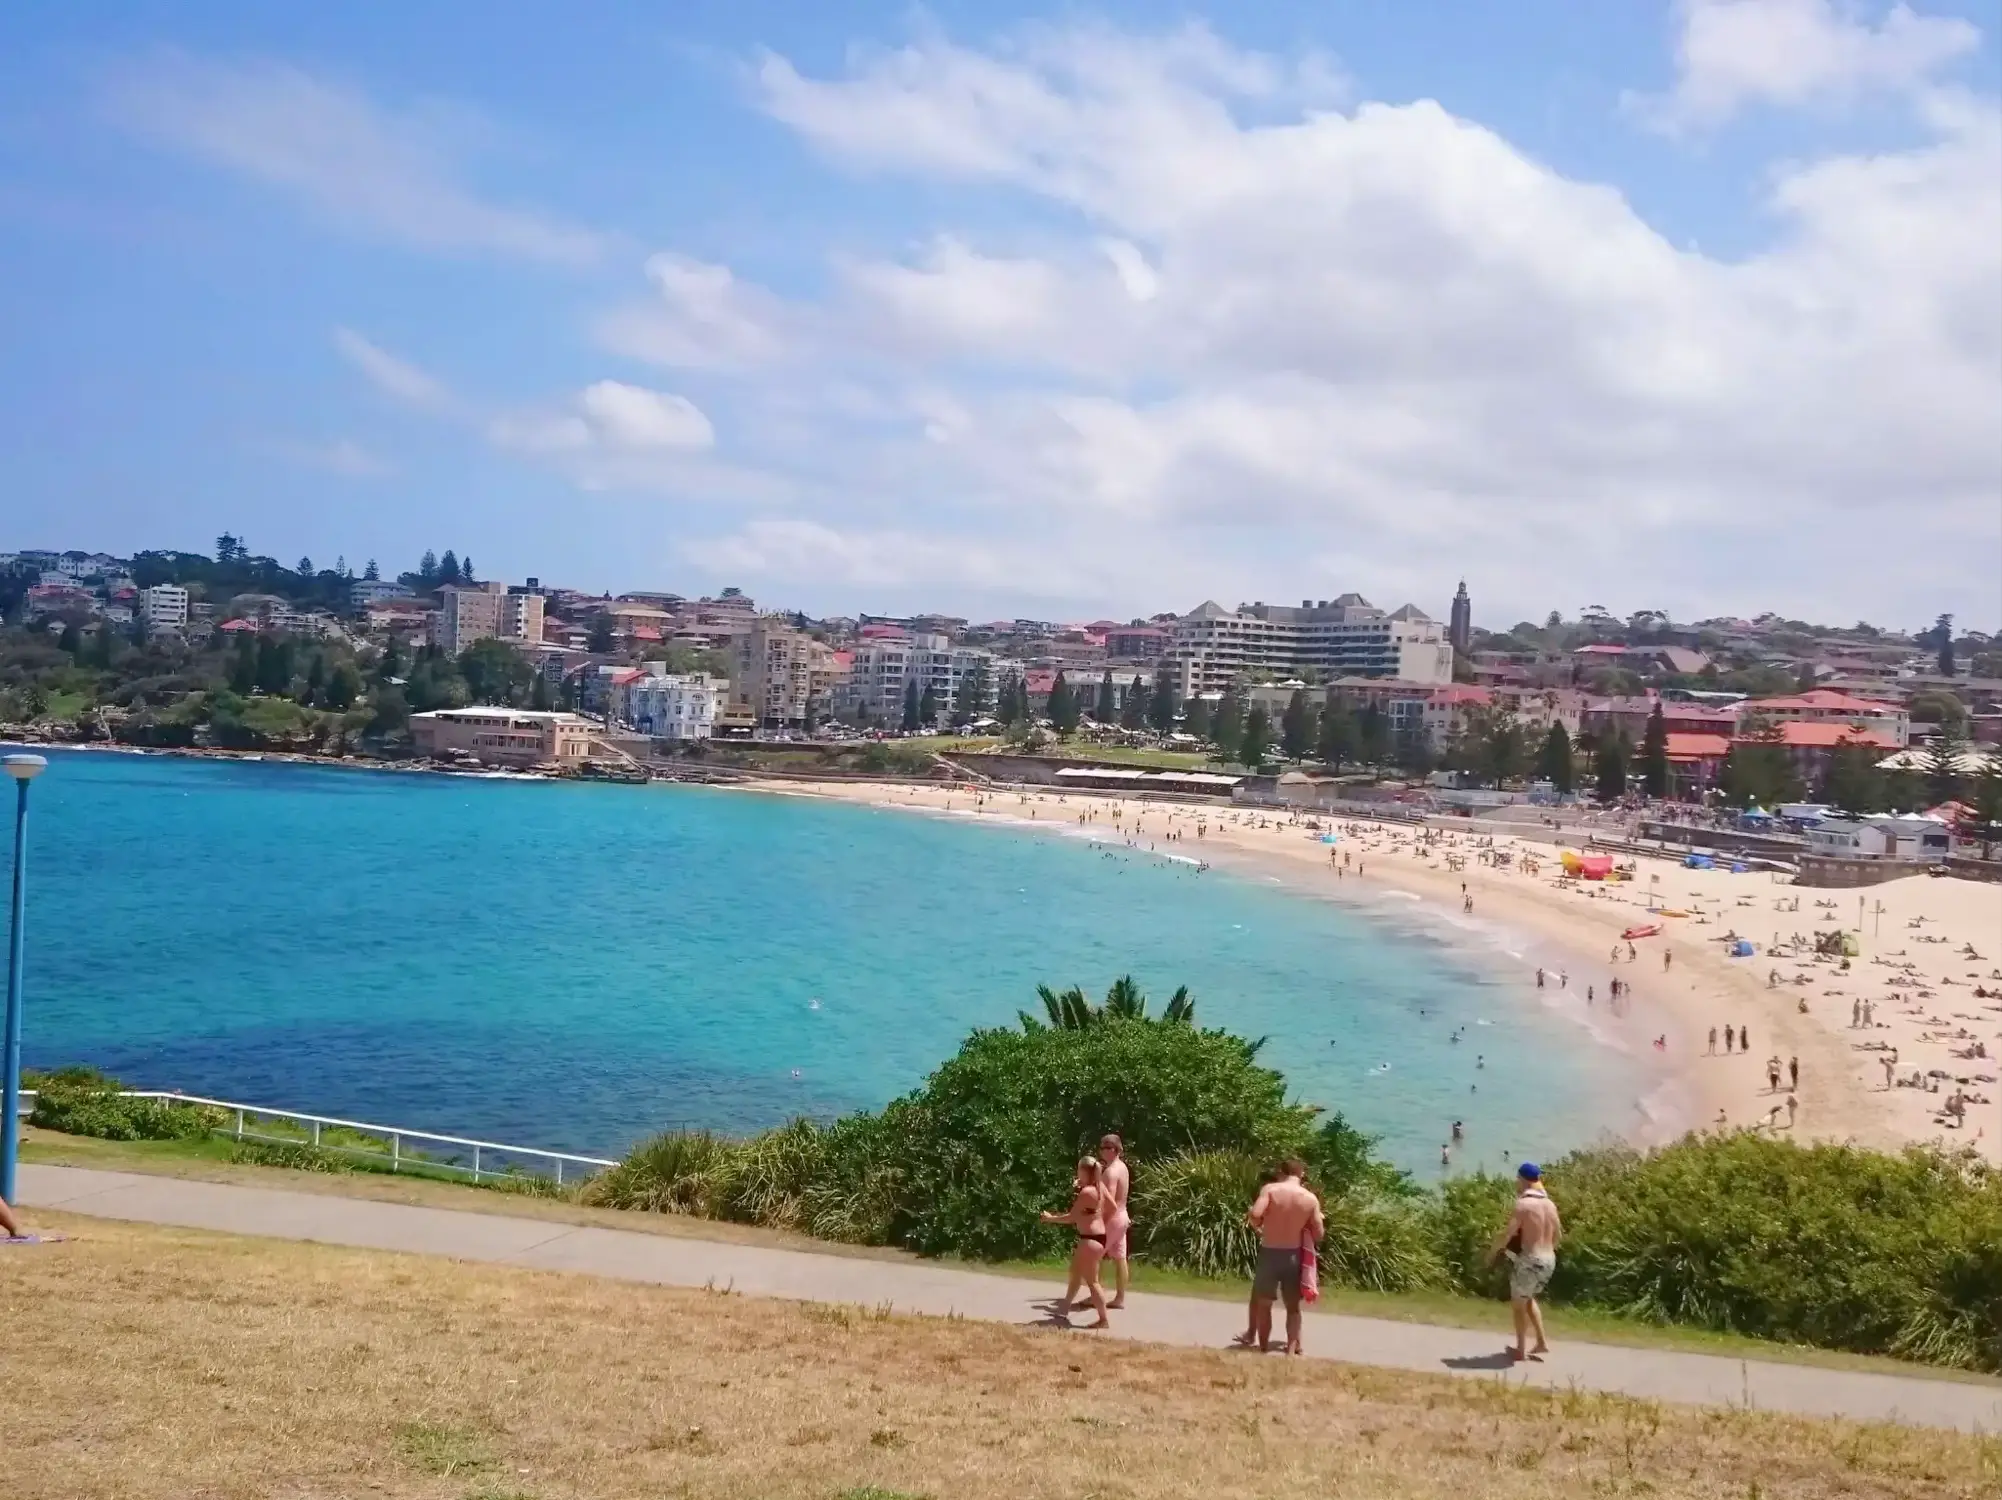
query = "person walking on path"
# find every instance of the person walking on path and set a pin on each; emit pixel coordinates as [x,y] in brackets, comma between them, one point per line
[1529,1239]
[1287,1217]
[1087,1215]
[1116,1178]
[1793,1073]
[1773,1074]
[1713,1038]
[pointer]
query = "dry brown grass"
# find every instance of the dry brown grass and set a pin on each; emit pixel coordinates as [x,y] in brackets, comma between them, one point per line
[143,1362]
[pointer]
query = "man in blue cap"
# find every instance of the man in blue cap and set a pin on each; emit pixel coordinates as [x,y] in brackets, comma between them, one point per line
[1529,1239]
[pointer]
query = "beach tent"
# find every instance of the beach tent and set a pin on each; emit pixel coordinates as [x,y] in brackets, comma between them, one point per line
[1699,862]
[1330,838]
[1572,861]
[1741,949]
[1596,866]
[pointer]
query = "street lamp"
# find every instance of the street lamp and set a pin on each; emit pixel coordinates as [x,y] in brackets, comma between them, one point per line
[24,769]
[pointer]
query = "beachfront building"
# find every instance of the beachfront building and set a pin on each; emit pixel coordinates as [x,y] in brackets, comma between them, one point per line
[366,591]
[164,607]
[1915,836]
[486,611]
[669,705]
[1629,716]
[881,667]
[1809,746]
[1212,647]
[505,737]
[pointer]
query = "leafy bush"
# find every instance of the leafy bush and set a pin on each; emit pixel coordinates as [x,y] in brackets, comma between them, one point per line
[1380,1244]
[1825,1244]
[765,1180]
[82,1101]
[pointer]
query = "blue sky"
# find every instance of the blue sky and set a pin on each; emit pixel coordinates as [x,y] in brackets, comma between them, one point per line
[1094,310]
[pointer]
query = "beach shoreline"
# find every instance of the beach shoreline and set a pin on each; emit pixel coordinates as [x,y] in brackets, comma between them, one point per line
[1916,977]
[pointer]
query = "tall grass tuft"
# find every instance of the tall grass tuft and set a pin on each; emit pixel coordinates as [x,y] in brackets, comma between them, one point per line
[1189,1211]
[1379,1244]
[677,1172]
[765,1179]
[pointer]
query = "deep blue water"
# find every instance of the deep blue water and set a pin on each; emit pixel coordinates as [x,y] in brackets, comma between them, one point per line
[575,966]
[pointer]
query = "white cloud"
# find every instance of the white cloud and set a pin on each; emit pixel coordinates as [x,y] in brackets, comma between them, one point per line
[631,416]
[389,174]
[704,318]
[1789,53]
[392,376]
[1385,334]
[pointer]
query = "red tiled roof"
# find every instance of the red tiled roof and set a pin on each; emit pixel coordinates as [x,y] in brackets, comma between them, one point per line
[1698,746]
[1820,700]
[1799,734]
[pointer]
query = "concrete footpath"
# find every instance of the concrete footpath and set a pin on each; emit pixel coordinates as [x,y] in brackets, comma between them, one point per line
[627,1255]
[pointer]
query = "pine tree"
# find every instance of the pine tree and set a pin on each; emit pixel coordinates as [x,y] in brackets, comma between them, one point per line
[1373,735]
[600,642]
[1105,711]
[1227,723]
[1337,742]
[427,570]
[1986,796]
[1654,755]
[71,640]
[928,708]
[1851,781]
[1161,704]
[466,570]
[448,567]
[243,671]
[911,704]
[316,679]
[1553,761]
[1196,717]
[1133,712]
[1063,709]
[370,573]
[304,568]
[391,664]
[1254,738]
[1296,727]
[1943,632]
[1609,768]
[1942,767]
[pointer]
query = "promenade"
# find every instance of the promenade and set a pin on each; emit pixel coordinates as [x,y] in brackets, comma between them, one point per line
[936,1290]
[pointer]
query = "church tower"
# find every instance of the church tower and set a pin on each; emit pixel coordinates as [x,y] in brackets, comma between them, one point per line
[1461,630]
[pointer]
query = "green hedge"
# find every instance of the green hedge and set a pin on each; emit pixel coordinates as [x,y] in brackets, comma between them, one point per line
[82,1101]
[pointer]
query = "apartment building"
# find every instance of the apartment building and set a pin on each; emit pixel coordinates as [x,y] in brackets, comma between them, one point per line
[366,591]
[783,675]
[1211,647]
[503,736]
[475,612]
[164,607]
[881,666]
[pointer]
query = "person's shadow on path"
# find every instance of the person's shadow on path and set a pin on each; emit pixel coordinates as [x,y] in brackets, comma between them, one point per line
[1499,1361]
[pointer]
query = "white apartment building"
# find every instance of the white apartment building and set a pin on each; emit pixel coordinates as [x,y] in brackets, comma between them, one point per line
[484,611]
[1346,637]
[669,706]
[881,668]
[366,591]
[164,607]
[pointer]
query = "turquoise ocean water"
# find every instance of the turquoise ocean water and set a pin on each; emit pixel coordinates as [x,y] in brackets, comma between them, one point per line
[575,966]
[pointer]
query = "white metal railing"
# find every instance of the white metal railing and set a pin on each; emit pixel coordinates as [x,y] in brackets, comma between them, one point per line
[245,1116]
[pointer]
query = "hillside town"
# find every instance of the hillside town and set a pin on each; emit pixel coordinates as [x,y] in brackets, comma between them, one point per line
[237,652]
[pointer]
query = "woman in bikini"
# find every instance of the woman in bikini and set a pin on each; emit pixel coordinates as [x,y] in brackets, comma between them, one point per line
[1087,1214]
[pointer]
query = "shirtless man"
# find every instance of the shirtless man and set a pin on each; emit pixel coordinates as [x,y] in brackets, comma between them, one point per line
[1117,1182]
[1286,1216]
[1530,1240]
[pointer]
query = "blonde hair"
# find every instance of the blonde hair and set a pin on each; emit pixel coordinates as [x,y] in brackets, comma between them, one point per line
[1089,1169]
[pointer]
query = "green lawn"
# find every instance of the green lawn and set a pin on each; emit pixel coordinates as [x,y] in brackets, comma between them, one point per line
[64,707]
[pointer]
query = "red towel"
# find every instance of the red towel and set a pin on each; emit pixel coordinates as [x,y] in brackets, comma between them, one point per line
[1310,1271]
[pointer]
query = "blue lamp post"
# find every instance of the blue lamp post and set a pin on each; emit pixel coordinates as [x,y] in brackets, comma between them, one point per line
[24,769]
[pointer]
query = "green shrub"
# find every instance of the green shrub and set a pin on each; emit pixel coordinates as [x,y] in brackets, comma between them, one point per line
[996,1131]
[855,1199]
[1379,1244]
[82,1101]
[1825,1244]
[297,1158]
[765,1179]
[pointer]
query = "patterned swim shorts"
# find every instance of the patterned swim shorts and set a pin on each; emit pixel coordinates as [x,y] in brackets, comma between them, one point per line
[1531,1273]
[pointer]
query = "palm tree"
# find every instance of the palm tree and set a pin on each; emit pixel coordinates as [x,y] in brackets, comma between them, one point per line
[1072,1011]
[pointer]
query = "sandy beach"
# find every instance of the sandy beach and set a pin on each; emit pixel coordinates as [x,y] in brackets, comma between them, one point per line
[1925,947]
